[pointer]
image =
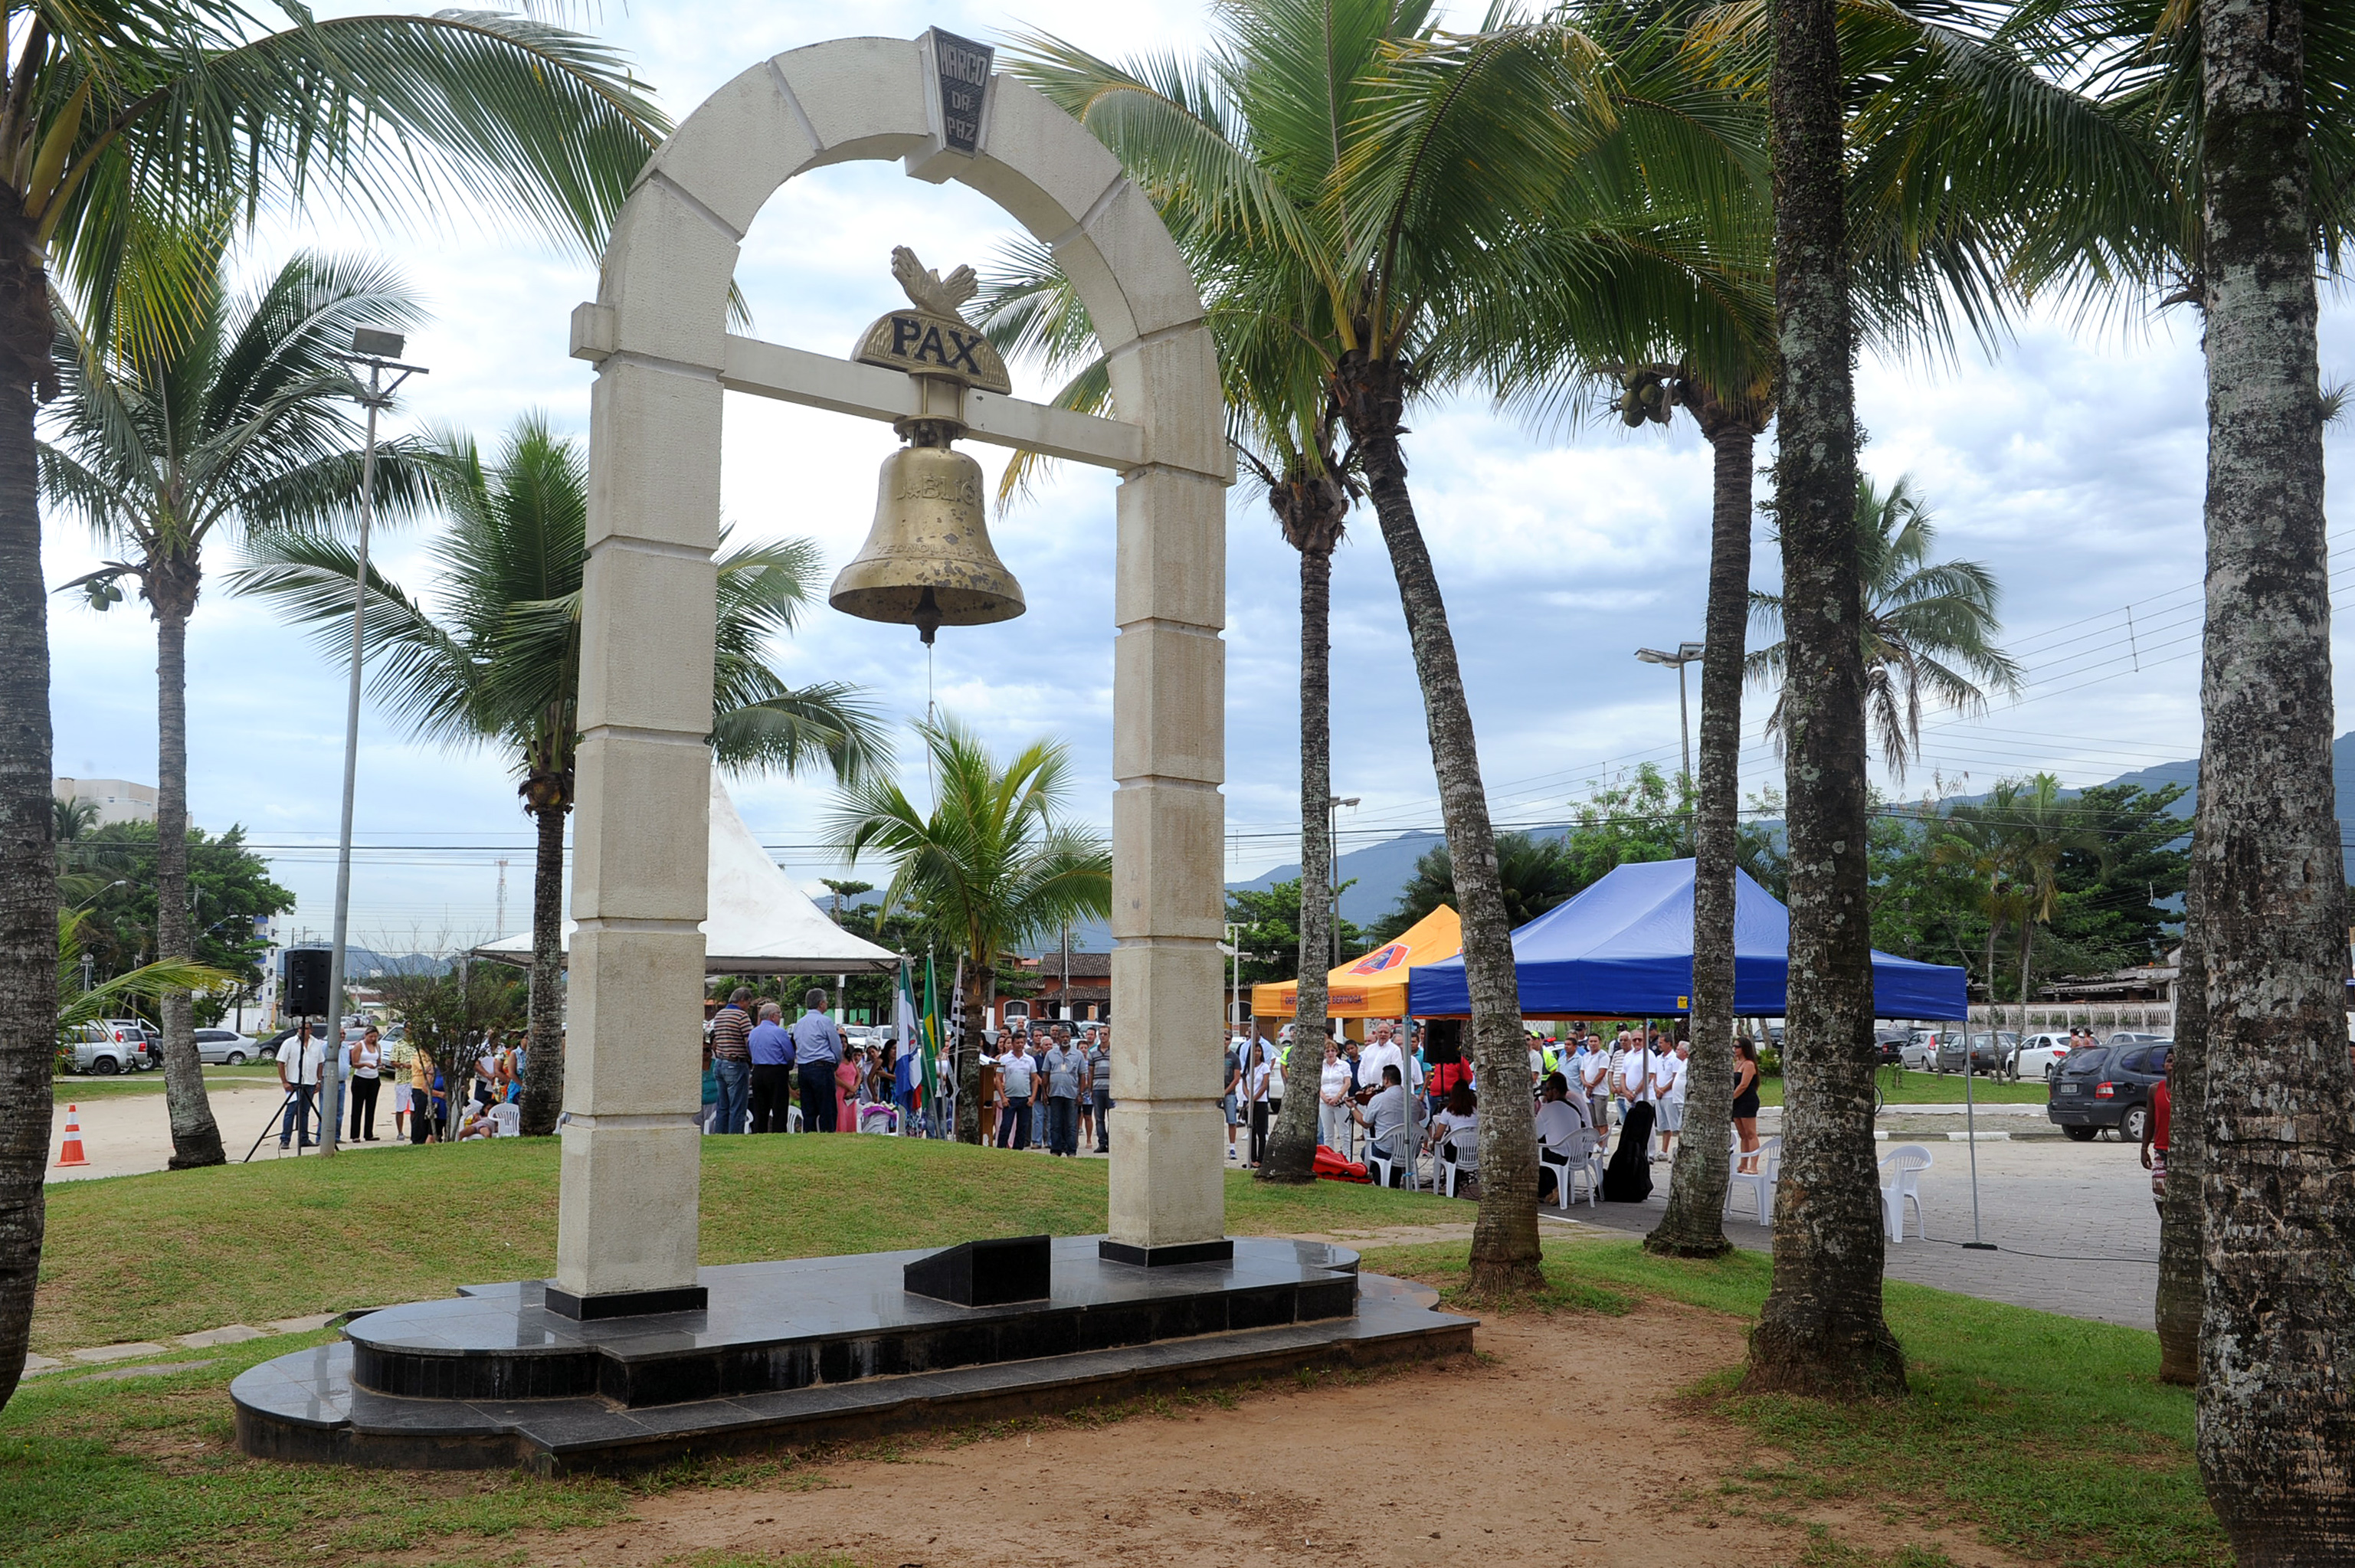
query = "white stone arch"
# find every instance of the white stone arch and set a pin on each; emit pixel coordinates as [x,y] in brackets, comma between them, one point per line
[627,1230]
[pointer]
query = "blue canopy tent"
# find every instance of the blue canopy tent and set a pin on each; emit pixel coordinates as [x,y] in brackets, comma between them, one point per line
[1624,947]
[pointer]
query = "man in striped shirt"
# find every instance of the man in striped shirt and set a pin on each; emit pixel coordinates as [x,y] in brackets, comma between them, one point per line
[731,1061]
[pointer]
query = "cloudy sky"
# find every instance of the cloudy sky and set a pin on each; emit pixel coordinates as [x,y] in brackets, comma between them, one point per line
[2070,465]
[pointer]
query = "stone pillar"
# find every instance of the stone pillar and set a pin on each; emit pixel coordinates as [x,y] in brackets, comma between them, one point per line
[1169,1200]
[626,1219]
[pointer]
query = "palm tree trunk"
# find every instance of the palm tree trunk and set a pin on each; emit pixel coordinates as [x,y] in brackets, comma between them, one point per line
[2027,950]
[1291,1143]
[196,1137]
[1505,1252]
[1821,1332]
[969,1122]
[28,870]
[2276,1416]
[2181,1238]
[1694,1224]
[543,1063]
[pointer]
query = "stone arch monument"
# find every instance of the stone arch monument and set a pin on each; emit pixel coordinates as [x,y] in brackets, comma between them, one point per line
[657,334]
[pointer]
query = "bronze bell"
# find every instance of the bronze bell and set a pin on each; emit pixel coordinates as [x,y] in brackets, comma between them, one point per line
[928,561]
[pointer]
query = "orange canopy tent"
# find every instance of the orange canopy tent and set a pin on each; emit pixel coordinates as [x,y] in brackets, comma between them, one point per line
[1373,986]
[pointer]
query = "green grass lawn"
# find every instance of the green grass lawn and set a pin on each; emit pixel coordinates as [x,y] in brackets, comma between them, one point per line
[1932,1088]
[2047,1436]
[2051,1436]
[65,1091]
[139,1257]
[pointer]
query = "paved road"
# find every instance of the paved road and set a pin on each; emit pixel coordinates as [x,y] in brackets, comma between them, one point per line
[2073,1224]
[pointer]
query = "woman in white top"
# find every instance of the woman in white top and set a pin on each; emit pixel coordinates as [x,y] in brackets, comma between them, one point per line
[1255,1077]
[1458,1125]
[365,1056]
[1332,1100]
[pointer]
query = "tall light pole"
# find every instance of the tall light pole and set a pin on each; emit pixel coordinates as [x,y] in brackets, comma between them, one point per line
[1333,867]
[380,352]
[1686,653]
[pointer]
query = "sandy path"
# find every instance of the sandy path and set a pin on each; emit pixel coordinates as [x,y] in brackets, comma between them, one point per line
[126,1134]
[1558,1443]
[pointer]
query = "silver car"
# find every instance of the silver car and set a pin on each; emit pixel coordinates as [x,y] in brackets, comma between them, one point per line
[225,1048]
[106,1048]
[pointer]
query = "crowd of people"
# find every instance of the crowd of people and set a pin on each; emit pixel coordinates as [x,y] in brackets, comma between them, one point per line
[490,1077]
[761,1075]
[1410,1093]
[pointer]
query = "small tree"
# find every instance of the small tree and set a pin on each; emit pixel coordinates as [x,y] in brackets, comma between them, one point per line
[991,865]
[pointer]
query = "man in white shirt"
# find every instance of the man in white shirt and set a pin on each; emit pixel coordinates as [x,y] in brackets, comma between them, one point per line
[1630,1075]
[302,1084]
[1668,1070]
[1380,1052]
[1384,1116]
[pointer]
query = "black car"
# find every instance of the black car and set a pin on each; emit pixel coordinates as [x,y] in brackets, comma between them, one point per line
[2106,1086]
[1890,1043]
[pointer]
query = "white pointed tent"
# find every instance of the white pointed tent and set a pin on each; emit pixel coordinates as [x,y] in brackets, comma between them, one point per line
[759,923]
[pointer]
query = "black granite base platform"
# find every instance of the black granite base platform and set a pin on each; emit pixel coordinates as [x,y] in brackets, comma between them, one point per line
[811,1348]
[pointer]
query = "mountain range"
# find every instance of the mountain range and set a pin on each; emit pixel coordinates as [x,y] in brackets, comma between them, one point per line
[1379,871]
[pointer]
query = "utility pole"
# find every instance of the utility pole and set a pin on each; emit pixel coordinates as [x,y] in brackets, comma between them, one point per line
[1333,867]
[500,924]
[380,351]
[1686,653]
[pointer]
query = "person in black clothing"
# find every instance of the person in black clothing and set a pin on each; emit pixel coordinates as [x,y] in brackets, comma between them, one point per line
[1628,1178]
[1745,1099]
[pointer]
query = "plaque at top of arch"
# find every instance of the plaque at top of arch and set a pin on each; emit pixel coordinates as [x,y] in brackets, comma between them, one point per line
[933,339]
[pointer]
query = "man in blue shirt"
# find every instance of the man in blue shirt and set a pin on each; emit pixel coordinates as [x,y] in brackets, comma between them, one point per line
[817,1046]
[773,1071]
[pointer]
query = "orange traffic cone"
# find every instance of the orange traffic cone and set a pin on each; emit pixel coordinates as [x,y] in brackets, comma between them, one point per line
[72,1154]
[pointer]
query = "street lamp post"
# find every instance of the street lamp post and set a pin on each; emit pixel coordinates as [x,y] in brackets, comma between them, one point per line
[1332,871]
[1686,653]
[380,352]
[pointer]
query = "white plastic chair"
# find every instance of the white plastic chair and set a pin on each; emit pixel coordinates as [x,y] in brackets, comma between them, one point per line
[507,1120]
[1381,1166]
[1900,1171]
[1760,1183]
[1568,1161]
[1443,1177]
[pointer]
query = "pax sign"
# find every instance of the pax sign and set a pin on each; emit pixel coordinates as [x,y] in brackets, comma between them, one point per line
[964,78]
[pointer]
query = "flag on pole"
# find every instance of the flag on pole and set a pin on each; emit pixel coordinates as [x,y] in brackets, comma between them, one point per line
[907,1071]
[936,1112]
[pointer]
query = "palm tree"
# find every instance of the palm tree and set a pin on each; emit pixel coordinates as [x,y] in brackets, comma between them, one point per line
[1328,172]
[1821,1330]
[499,664]
[159,443]
[993,865]
[129,129]
[1284,428]
[1927,629]
[2250,191]
[1947,131]
[2040,827]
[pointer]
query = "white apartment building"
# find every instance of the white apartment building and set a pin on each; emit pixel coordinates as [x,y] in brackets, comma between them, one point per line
[119,800]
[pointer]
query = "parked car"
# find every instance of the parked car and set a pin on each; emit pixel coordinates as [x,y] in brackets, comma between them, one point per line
[1920,1053]
[1991,1053]
[225,1048]
[1891,1044]
[2132,1037]
[106,1049]
[151,1055]
[2040,1054]
[2107,1086]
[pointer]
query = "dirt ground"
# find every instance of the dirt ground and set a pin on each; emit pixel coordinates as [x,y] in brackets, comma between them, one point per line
[1559,1443]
